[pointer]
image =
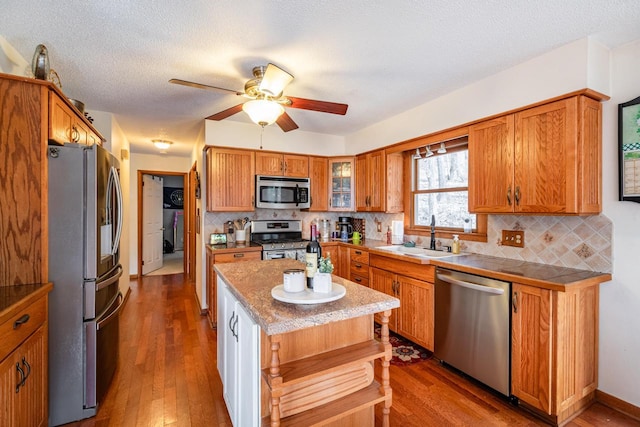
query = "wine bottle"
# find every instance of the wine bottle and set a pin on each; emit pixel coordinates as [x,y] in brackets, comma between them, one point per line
[313,255]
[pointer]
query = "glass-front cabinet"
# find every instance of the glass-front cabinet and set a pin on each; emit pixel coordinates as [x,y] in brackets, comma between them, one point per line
[341,184]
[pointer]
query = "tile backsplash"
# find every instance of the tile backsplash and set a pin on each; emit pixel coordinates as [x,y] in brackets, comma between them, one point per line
[567,241]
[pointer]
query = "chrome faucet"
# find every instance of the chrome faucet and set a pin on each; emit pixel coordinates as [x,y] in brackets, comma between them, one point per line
[432,244]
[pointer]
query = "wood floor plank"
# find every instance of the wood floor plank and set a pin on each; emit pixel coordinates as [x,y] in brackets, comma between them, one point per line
[167,376]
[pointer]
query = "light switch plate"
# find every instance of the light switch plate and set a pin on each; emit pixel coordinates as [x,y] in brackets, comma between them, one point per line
[513,238]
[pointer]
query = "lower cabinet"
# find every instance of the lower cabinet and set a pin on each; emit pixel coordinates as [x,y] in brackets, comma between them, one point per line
[413,285]
[359,266]
[238,359]
[213,258]
[24,370]
[554,354]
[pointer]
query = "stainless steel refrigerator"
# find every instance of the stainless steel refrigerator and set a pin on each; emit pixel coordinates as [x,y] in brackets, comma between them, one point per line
[85,225]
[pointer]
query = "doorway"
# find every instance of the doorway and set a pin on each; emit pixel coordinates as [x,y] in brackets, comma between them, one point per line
[163,209]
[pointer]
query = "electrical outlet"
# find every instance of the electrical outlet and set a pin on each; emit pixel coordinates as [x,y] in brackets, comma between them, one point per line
[379,226]
[513,238]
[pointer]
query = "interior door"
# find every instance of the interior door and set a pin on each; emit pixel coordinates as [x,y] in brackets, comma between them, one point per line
[152,228]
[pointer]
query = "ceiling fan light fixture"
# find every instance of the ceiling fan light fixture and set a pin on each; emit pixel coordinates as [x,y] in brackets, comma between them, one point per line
[274,80]
[442,149]
[162,144]
[263,112]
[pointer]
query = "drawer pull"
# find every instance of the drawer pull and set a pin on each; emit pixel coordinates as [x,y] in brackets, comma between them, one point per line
[358,265]
[357,279]
[358,253]
[238,255]
[21,321]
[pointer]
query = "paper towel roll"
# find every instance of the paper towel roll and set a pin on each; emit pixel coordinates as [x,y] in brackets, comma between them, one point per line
[397,232]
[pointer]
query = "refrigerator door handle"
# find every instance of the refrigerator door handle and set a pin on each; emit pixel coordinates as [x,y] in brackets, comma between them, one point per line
[110,280]
[118,188]
[103,322]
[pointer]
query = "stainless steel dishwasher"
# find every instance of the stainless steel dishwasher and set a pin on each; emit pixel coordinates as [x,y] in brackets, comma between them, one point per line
[473,327]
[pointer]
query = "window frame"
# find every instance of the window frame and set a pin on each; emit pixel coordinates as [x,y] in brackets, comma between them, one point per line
[452,143]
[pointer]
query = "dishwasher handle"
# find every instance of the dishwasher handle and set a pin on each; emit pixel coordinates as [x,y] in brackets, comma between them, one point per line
[474,286]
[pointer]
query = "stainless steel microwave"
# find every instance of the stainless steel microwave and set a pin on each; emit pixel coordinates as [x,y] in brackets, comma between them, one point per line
[282,192]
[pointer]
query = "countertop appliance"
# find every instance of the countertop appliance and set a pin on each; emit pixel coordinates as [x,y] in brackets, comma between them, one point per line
[279,238]
[473,326]
[85,225]
[282,192]
[345,225]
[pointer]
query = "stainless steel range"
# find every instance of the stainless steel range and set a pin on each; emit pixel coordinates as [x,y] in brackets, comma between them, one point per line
[279,238]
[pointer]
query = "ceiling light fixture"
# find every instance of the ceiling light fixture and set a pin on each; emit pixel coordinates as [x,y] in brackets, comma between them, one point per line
[442,149]
[161,144]
[263,112]
[417,155]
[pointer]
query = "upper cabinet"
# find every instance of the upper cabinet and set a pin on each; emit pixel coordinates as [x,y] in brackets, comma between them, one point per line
[341,184]
[67,125]
[544,160]
[279,164]
[379,182]
[230,179]
[370,184]
[318,174]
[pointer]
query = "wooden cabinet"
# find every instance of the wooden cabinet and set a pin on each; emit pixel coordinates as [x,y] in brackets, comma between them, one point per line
[318,175]
[359,266]
[413,285]
[230,179]
[68,125]
[379,182]
[370,182]
[341,185]
[214,257]
[281,164]
[24,366]
[23,191]
[554,354]
[546,159]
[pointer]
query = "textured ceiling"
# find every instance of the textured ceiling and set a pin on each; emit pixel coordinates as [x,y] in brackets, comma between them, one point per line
[380,57]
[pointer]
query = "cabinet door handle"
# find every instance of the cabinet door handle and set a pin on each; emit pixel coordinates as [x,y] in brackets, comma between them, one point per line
[514,302]
[21,321]
[21,372]
[235,326]
[24,363]
[230,324]
[518,195]
[238,255]
[75,135]
[509,195]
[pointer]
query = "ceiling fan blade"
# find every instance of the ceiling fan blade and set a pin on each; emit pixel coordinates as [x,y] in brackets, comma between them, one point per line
[286,123]
[274,80]
[225,113]
[203,86]
[322,106]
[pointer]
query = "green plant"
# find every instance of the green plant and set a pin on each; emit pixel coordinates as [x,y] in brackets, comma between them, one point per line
[325,265]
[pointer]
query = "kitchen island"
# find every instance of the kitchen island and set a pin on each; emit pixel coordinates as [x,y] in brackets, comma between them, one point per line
[300,364]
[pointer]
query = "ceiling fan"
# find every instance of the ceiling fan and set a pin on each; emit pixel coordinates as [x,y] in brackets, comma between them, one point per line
[266,100]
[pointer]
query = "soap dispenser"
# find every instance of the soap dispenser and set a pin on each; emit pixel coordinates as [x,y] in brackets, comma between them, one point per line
[455,246]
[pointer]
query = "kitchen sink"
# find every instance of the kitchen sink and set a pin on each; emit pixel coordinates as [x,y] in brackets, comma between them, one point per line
[415,251]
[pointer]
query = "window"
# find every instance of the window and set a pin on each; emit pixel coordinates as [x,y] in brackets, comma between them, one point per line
[441,187]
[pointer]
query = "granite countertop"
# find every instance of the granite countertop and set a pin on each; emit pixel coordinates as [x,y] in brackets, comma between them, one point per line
[233,247]
[13,298]
[528,273]
[251,283]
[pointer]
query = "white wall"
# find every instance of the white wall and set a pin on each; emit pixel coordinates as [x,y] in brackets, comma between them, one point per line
[150,162]
[247,135]
[619,367]
[575,66]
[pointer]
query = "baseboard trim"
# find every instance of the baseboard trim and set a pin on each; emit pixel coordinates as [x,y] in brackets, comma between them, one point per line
[618,404]
[133,277]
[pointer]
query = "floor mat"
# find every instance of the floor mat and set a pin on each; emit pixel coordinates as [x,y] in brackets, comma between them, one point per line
[404,352]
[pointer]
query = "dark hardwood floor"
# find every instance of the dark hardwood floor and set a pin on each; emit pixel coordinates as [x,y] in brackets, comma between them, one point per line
[168,377]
